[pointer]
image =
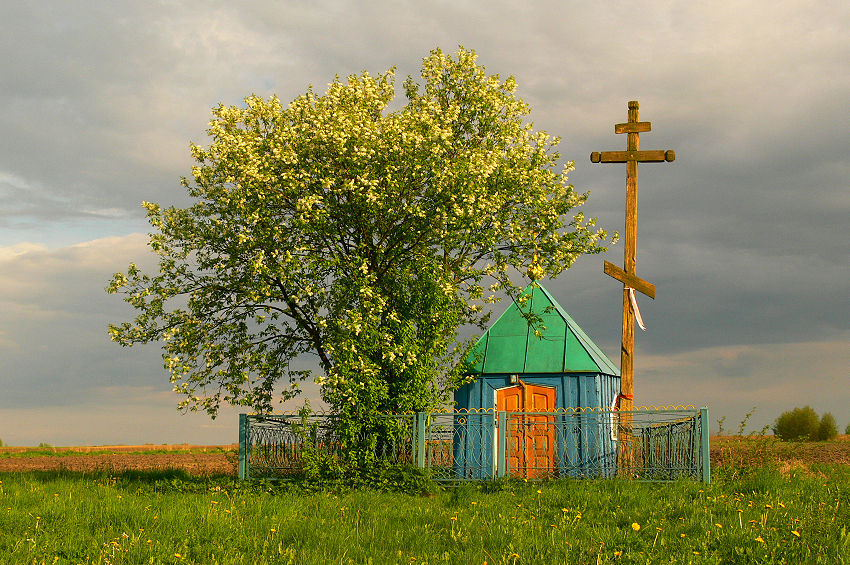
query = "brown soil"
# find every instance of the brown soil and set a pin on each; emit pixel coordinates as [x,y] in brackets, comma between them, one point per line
[122,448]
[208,460]
[200,460]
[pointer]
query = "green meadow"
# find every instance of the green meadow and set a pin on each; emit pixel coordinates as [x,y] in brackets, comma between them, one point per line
[756,515]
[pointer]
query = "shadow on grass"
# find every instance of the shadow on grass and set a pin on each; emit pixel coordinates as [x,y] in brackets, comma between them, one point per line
[177,480]
[158,480]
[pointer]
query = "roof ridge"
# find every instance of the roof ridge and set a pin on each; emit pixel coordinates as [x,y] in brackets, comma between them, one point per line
[599,357]
[481,350]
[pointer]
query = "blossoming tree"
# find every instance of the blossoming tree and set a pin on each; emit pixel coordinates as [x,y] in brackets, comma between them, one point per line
[337,227]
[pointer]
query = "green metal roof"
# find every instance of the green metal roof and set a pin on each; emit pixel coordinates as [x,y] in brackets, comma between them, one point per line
[510,345]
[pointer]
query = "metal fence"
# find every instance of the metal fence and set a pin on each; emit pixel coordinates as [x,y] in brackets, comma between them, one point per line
[281,446]
[652,444]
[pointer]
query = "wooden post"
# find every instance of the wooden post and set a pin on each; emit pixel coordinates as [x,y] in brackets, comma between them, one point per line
[627,275]
[627,388]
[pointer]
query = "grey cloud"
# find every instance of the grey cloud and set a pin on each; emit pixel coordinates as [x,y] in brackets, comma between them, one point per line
[53,342]
[743,234]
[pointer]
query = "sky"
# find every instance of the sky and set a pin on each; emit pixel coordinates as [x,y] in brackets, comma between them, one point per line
[745,235]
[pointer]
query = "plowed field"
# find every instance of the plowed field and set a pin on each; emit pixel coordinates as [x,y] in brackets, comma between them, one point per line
[210,460]
[192,459]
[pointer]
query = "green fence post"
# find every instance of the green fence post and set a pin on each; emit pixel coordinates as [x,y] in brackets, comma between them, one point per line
[243,446]
[694,453]
[501,459]
[706,454]
[422,418]
[414,433]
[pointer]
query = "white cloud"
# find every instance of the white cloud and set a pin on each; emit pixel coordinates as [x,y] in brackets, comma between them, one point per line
[10,252]
[731,380]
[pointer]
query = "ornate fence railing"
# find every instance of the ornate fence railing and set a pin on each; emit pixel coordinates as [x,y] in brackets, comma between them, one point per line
[280,446]
[652,444]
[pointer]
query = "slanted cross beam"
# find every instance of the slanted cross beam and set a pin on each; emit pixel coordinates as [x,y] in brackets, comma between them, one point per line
[627,275]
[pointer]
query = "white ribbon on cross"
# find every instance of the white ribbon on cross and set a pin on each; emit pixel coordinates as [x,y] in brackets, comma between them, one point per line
[635,308]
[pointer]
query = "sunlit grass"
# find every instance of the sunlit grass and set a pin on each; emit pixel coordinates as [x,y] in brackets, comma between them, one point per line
[169,517]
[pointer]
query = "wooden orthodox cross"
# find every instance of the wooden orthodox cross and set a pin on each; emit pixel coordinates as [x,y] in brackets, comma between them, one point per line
[631,282]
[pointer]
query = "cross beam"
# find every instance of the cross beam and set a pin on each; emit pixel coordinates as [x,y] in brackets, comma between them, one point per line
[631,281]
[655,156]
[631,157]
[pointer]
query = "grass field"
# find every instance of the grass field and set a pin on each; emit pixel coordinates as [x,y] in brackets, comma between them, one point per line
[752,512]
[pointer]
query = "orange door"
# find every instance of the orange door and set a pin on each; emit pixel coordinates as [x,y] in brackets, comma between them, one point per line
[511,400]
[531,437]
[541,430]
